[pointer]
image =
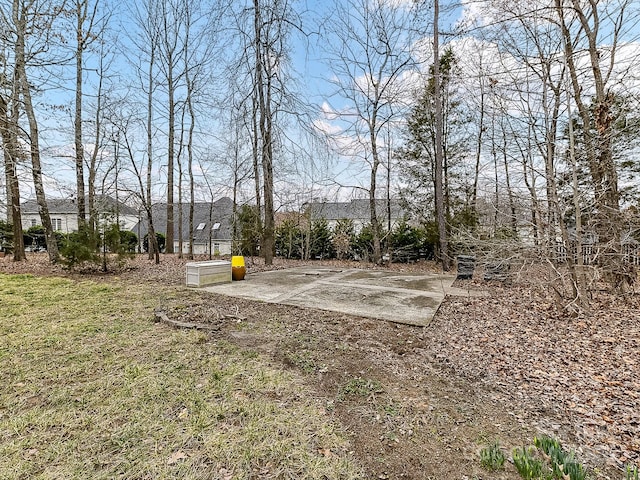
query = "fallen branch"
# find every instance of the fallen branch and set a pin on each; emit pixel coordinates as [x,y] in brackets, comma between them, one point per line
[161,317]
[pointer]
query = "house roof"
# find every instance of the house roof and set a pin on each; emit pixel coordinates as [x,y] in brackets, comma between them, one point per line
[215,218]
[357,209]
[68,206]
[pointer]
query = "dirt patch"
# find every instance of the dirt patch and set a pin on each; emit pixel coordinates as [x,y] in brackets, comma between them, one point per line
[408,417]
[421,402]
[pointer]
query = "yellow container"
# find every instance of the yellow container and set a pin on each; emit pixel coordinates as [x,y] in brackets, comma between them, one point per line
[238,270]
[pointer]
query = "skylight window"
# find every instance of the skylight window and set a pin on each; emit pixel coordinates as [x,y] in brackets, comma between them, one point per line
[216,226]
[201,226]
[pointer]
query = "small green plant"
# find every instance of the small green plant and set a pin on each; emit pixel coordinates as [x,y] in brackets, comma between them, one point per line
[528,466]
[491,457]
[362,387]
[391,409]
[552,449]
[574,470]
[562,464]
[303,361]
[632,473]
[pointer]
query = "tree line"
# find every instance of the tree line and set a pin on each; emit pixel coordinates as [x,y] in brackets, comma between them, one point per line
[515,118]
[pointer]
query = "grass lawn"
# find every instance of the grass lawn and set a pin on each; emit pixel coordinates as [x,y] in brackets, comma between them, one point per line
[92,388]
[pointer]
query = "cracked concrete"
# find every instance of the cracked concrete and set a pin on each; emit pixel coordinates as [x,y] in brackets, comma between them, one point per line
[402,297]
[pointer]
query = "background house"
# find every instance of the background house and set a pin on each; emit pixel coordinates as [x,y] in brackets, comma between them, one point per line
[64,213]
[212,226]
[356,210]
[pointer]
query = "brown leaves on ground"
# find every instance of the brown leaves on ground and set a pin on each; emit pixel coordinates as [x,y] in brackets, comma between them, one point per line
[579,376]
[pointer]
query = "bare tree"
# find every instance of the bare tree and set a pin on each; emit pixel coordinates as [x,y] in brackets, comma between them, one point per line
[369,52]
[98,137]
[439,155]
[200,38]
[31,23]
[585,26]
[10,150]
[170,51]
[85,16]
[264,29]
[147,43]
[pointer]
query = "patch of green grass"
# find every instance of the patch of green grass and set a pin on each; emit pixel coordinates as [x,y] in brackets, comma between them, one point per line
[632,473]
[93,388]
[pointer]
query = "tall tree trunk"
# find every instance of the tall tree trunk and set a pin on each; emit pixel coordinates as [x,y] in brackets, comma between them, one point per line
[255,150]
[170,157]
[152,241]
[19,19]
[192,198]
[180,176]
[263,86]
[7,192]
[389,156]
[512,204]
[375,224]
[481,128]
[439,187]
[267,168]
[579,277]
[79,158]
[93,162]
[8,131]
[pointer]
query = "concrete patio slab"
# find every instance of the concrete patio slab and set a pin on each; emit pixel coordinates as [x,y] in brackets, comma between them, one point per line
[402,297]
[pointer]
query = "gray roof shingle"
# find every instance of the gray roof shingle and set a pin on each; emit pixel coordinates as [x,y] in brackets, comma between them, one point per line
[68,206]
[205,215]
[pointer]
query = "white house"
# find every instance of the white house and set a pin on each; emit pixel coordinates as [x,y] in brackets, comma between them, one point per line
[64,213]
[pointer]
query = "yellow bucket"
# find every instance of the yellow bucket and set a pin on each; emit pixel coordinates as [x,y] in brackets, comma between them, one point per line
[238,270]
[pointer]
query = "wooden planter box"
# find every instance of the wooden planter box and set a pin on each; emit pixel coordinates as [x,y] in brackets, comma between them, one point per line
[201,274]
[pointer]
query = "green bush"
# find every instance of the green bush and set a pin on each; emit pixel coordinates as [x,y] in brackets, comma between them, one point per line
[248,231]
[363,243]
[289,240]
[408,243]
[6,237]
[321,240]
[128,241]
[34,238]
[77,248]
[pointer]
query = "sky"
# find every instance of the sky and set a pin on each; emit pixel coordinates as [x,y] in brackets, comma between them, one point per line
[318,81]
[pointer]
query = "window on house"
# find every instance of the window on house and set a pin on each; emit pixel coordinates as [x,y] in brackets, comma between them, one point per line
[56,223]
[216,249]
[33,222]
[201,226]
[216,226]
